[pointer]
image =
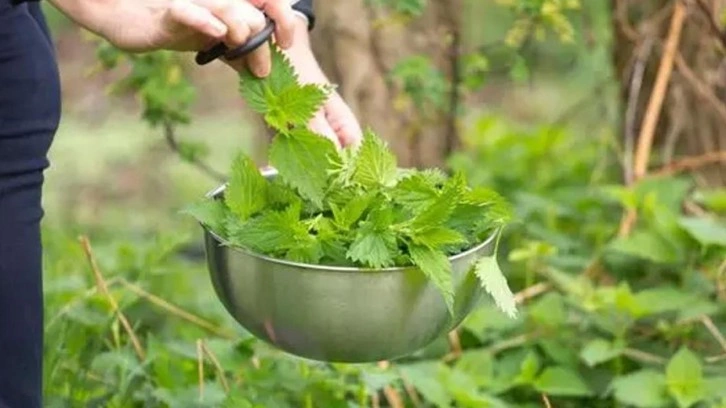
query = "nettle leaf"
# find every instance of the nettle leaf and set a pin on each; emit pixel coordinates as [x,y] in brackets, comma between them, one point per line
[282,76]
[549,310]
[437,237]
[643,389]
[296,105]
[599,351]
[437,267]
[705,230]
[246,192]
[415,192]
[561,381]
[211,213]
[347,216]
[684,376]
[529,368]
[424,377]
[499,211]
[375,164]
[493,281]
[374,248]
[440,211]
[646,245]
[303,158]
[271,232]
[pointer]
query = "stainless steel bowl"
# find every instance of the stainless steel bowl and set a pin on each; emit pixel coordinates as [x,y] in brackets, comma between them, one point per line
[338,314]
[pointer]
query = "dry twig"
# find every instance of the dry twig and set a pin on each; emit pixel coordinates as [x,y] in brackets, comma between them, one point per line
[177,311]
[103,288]
[701,88]
[532,291]
[200,368]
[217,366]
[652,113]
[716,359]
[643,356]
[411,391]
[708,323]
[392,396]
[546,401]
[655,103]
[690,163]
[455,343]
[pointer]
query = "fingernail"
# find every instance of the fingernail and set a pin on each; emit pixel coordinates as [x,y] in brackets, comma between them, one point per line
[262,71]
[218,28]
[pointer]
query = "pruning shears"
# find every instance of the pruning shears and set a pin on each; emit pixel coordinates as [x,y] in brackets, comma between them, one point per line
[221,50]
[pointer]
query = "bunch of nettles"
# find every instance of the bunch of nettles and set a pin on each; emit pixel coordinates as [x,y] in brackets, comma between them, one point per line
[349,206]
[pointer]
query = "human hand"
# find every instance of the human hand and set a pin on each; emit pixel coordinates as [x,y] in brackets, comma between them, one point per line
[187,25]
[335,120]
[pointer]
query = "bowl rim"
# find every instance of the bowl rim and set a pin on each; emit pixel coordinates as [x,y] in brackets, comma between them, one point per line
[330,268]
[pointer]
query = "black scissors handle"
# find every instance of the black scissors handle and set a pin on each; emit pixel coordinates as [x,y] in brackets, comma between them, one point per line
[221,50]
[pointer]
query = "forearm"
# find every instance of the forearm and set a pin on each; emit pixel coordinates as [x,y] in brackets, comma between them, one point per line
[89,14]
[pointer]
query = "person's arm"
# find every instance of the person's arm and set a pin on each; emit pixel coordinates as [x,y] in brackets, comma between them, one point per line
[141,25]
[183,25]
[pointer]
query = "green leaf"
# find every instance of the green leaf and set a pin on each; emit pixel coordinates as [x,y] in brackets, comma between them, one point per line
[440,211]
[211,213]
[436,266]
[375,242]
[643,389]
[499,211]
[665,299]
[296,105]
[302,159]
[424,377]
[282,76]
[705,230]
[529,368]
[494,282]
[271,232]
[646,245]
[351,213]
[599,351]
[375,164]
[715,387]
[246,192]
[684,377]
[415,192]
[561,381]
[372,248]
[437,237]
[549,310]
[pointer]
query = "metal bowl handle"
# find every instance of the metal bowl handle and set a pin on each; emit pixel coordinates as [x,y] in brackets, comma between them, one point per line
[221,50]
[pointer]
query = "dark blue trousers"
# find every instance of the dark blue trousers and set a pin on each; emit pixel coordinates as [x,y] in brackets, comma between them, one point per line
[29,116]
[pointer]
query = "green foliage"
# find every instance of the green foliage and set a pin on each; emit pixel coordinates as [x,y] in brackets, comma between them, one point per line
[619,324]
[589,347]
[323,216]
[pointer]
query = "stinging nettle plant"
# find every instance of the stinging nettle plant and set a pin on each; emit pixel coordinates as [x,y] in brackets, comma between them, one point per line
[350,206]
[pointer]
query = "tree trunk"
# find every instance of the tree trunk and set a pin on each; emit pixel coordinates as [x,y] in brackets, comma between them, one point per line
[692,121]
[358,45]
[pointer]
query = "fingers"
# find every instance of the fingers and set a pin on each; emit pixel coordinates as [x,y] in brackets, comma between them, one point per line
[242,20]
[320,125]
[342,121]
[281,12]
[198,18]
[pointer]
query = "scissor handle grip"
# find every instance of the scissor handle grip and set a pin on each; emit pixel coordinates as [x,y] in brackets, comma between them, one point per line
[221,50]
